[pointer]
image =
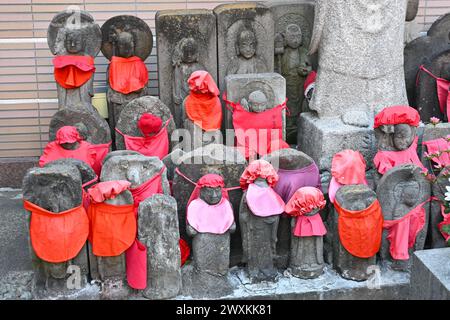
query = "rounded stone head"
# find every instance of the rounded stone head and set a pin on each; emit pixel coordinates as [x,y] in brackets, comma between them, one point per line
[294,37]
[407,192]
[211,195]
[247,44]
[257,101]
[189,50]
[404,135]
[74,42]
[261,182]
[125,45]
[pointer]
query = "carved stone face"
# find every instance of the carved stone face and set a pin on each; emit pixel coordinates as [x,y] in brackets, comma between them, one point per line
[403,136]
[125,45]
[210,195]
[407,192]
[247,44]
[257,101]
[189,53]
[294,37]
[74,41]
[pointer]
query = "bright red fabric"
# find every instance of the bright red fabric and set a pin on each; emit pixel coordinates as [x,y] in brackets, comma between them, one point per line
[67,134]
[439,146]
[54,151]
[349,167]
[360,231]
[151,146]
[57,237]
[303,201]
[386,160]
[397,115]
[309,81]
[258,133]
[202,104]
[149,124]
[73,71]
[127,75]
[258,169]
[108,190]
[136,260]
[100,151]
[402,233]
[185,251]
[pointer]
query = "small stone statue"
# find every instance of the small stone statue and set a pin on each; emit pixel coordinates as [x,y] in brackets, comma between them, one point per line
[127,42]
[306,258]
[202,110]
[357,222]
[395,131]
[258,217]
[247,59]
[404,194]
[53,195]
[294,64]
[210,221]
[185,62]
[75,39]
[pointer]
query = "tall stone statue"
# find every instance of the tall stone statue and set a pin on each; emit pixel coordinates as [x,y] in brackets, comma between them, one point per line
[58,228]
[127,42]
[181,53]
[360,71]
[210,221]
[75,38]
[259,215]
[404,194]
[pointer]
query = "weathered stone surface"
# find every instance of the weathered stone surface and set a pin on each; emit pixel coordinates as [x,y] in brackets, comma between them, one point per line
[412,9]
[240,86]
[124,36]
[87,173]
[136,169]
[74,32]
[426,89]
[244,39]
[399,191]
[225,161]
[55,188]
[186,43]
[127,122]
[171,161]
[120,153]
[353,80]
[356,198]
[293,29]
[322,138]
[286,159]
[158,230]
[430,275]
[91,126]
[12,170]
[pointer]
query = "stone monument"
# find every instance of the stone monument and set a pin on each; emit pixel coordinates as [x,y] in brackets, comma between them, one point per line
[186,42]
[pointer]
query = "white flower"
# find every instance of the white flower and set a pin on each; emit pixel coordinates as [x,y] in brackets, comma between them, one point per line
[447,194]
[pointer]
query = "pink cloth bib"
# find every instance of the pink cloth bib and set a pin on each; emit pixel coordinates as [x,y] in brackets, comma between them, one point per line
[207,218]
[308,226]
[136,259]
[439,145]
[264,202]
[386,160]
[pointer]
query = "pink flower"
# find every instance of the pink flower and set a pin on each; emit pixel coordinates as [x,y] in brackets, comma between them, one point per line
[434,121]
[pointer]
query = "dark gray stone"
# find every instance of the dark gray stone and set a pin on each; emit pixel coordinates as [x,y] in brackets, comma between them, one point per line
[158,230]
[12,170]
[244,39]
[356,198]
[400,190]
[426,89]
[91,126]
[412,9]
[225,161]
[87,173]
[55,188]
[430,275]
[120,153]
[293,29]
[186,43]
[124,36]
[73,32]
[127,122]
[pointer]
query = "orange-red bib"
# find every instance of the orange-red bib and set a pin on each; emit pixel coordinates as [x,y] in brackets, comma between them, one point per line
[360,231]
[113,228]
[73,71]
[127,75]
[57,237]
[205,110]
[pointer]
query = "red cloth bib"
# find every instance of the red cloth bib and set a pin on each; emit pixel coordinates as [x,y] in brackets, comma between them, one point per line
[151,146]
[127,75]
[57,237]
[439,146]
[385,160]
[259,133]
[360,231]
[54,151]
[73,71]
[402,233]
